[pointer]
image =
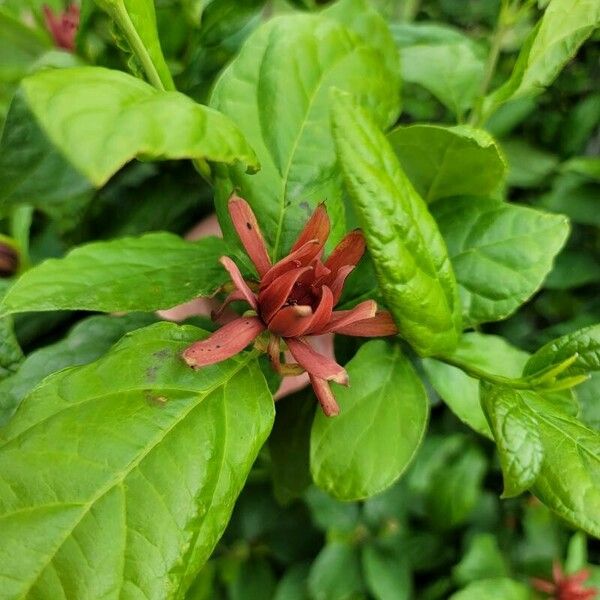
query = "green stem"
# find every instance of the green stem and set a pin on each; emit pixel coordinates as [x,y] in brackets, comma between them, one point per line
[476,373]
[124,20]
[20,225]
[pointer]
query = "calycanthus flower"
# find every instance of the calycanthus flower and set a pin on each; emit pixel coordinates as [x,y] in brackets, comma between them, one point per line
[566,587]
[293,300]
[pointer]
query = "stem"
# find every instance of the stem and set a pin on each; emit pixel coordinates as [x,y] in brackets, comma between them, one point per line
[20,224]
[122,17]
[476,373]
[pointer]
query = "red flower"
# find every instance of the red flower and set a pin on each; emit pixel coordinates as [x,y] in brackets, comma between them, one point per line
[294,299]
[63,26]
[566,587]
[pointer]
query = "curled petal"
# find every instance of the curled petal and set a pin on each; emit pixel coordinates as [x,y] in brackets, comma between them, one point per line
[224,343]
[325,396]
[317,228]
[337,285]
[348,252]
[380,325]
[316,364]
[248,231]
[291,321]
[322,314]
[342,318]
[271,299]
[299,258]
[238,281]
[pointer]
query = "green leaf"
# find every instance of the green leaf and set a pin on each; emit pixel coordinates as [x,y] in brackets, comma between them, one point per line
[588,166]
[448,161]
[101,119]
[569,477]
[383,415]
[293,584]
[87,341]
[574,268]
[37,174]
[482,560]
[11,354]
[137,21]
[517,438]
[554,41]
[329,514]
[529,167]
[460,392]
[254,580]
[298,163]
[500,252]
[157,270]
[289,446]
[584,342]
[336,573]
[387,573]
[497,588]
[443,61]
[409,253]
[141,460]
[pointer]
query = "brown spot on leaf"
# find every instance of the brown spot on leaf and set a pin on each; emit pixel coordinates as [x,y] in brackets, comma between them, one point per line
[154,399]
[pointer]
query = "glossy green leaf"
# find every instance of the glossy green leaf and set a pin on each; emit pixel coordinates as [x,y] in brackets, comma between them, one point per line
[87,341]
[336,573]
[141,459]
[568,479]
[445,62]
[584,342]
[500,252]
[262,86]
[554,41]
[448,161]
[497,588]
[387,573]
[410,257]
[137,21]
[157,270]
[382,421]
[517,438]
[101,119]
[37,174]
[460,392]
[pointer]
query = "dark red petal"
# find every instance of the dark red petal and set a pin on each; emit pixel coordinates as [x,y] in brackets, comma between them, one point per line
[543,586]
[316,364]
[248,231]
[322,314]
[380,325]
[238,281]
[325,396]
[291,321]
[299,258]
[224,343]
[348,252]
[271,299]
[317,228]
[337,285]
[362,311]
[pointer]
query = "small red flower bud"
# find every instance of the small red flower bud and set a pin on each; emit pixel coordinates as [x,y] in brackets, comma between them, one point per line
[63,26]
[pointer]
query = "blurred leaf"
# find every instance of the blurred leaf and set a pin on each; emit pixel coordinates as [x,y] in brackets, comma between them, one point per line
[336,573]
[448,161]
[577,556]
[589,166]
[500,588]
[387,574]
[482,560]
[157,270]
[528,166]
[254,580]
[588,394]
[293,585]
[385,415]
[500,252]
[573,268]
[330,514]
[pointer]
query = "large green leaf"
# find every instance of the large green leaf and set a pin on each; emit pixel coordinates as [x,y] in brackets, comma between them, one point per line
[86,342]
[566,24]
[584,342]
[448,161]
[101,119]
[157,270]
[137,21]
[263,86]
[460,392]
[37,173]
[382,421]
[411,260]
[500,252]
[568,479]
[119,477]
[517,438]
